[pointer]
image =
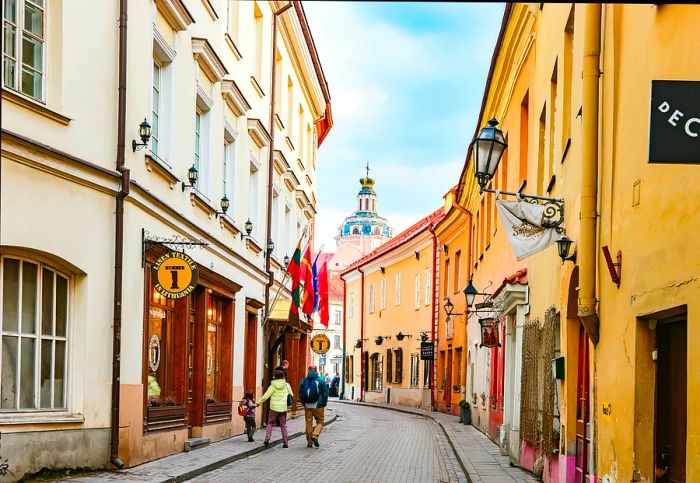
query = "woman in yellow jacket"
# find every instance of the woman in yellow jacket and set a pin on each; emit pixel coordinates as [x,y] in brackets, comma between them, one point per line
[277,394]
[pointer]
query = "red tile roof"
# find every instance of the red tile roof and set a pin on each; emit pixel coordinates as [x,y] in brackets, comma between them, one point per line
[518,277]
[428,222]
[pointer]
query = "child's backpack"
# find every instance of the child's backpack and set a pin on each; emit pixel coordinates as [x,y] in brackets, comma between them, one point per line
[242,409]
[310,390]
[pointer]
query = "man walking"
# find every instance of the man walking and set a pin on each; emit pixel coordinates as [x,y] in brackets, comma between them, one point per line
[313,394]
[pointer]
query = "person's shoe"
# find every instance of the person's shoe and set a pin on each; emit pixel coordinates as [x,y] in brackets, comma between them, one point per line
[309,444]
[315,440]
[250,440]
[285,445]
[266,442]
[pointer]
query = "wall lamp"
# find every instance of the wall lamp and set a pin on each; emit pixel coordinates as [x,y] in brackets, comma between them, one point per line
[382,269]
[563,245]
[449,307]
[225,203]
[192,177]
[144,134]
[248,229]
[380,338]
[358,344]
[402,336]
[286,261]
[270,247]
[417,255]
[487,149]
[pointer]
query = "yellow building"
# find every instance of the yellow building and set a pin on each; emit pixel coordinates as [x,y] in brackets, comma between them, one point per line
[396,292]
[201,73]
[581,95]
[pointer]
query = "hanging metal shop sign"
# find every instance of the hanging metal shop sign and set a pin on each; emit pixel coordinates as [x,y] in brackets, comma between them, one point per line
[174,275]
[674,124]
[320,344]
[427,351]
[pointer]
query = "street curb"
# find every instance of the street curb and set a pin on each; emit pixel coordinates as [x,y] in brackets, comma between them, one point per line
[426,416]
[230,459]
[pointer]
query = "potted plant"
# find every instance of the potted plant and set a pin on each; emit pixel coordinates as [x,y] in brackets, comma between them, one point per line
[465,414]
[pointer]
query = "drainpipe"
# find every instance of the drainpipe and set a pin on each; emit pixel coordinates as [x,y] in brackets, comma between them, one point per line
[433,321]
[363,369]
[589,178]
[119,240]
[268,231]
[345,367]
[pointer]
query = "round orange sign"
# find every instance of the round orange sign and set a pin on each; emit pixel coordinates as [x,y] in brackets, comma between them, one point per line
[320,343]
[174,275]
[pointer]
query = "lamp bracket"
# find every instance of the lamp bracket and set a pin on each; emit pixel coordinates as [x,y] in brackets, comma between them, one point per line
[553,207]
[175,242]
[136,146]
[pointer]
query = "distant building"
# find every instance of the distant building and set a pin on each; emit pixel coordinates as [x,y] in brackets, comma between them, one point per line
[363,231]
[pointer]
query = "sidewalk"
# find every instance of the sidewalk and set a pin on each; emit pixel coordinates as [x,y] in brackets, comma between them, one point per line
[187,465]
[479,456]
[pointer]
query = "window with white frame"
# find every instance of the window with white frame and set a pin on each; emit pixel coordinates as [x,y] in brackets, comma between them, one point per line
[336,342]
[274,229]
[232,19]
[427,286]
[415,368]
[34,326]
[23,46]
[371,298]
[229,168]
[253,193]
[337,317]
[382,295]
[198,163]
[155,107]
[351,304]
[397,289]
[427,367]
[416,304]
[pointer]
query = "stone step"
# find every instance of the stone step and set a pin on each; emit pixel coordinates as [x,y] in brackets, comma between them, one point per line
[195,443]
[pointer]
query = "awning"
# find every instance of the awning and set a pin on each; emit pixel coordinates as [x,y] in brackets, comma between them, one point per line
[281,309]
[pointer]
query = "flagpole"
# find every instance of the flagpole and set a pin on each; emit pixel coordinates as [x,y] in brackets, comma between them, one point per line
[284,280]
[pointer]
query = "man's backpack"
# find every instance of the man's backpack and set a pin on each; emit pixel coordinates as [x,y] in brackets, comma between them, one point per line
[310,390]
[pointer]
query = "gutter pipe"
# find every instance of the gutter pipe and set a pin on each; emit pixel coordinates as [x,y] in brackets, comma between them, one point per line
[587,311]
[345,311]
[363,369]
[119,239]
[433,323]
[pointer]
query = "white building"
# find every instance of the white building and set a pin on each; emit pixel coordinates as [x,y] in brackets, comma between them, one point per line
[201,73]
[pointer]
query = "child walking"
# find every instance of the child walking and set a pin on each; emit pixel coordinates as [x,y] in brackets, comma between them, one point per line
[277,393]
[249,417]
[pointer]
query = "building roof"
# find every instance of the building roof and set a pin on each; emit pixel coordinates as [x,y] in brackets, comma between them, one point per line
[518,277]
[425,223]
[335,286]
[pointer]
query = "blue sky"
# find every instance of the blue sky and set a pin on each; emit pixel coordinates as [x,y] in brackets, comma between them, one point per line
[406,82]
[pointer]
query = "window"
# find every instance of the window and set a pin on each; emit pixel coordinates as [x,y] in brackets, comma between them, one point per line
[253,193]
[155,109]
[229,178]
[214,310]
[427,367]
[417,300]
[34,329]
[337,317]
[427,286]
[258,19]
[274,229]
[524,137]
[398,360]
[198,141]
[376,371]
[336,342]
[351,304]
[458,366]
[397,289]
[389,365]
[232,19]
[371,298]
[348,369]
[382,294]
[415,368]
[24,27]
[290,109]
[445,282]
[458,273]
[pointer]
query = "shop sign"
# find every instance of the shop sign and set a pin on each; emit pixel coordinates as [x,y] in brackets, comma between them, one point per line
[674,124]
[320,343]
[154,353]
[427,351]
[174,275]
[489,336]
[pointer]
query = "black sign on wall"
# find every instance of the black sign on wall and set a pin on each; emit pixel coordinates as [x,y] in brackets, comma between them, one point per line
[674,124]
[427,351]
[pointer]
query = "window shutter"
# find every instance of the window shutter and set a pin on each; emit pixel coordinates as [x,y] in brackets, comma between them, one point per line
[388,365]
[399,365]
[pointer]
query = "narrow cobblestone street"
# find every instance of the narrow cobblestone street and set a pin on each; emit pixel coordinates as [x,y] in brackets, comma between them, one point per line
[364,444]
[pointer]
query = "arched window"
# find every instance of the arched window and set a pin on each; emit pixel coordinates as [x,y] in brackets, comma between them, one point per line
[376,230]
[376,367]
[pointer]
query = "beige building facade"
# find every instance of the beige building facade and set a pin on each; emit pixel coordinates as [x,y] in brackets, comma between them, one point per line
[204,75]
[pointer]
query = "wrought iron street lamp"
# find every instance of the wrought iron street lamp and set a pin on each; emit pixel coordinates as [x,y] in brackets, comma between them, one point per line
[563,246]
[270,246]
[286,261]
[402,336]
[144,134]
[225,203]
[192,177]
[487,149]
[248,229]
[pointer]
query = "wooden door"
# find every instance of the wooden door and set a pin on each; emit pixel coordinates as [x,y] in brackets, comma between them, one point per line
[582,409]
[671,400]
[195,361]
[250,356]
[448,380]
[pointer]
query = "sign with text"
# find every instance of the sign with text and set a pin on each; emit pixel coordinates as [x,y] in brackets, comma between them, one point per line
[427,351]
[174,275]
[320,343]
[674,124]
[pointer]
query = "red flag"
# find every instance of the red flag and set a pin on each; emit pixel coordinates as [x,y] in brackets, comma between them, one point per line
[294,270]
[308,275]
[323,308]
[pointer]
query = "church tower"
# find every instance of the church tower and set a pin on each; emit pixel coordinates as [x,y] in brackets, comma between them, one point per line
[364,230]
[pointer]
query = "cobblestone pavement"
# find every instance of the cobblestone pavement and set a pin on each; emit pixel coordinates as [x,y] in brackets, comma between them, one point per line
[365,444]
